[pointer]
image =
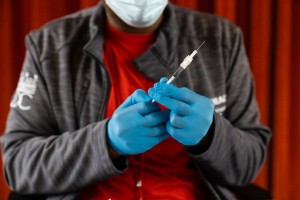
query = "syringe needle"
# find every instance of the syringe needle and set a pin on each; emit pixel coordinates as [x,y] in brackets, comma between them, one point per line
[201,45]
[185,63]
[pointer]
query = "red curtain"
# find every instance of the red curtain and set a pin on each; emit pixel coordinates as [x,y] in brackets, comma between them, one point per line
[271,31]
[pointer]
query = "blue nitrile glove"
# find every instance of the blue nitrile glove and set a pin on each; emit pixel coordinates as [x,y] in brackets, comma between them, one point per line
[137,125]
[191,114]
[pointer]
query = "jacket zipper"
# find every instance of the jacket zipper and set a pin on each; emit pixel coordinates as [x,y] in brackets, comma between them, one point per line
[83,92]
[106,83]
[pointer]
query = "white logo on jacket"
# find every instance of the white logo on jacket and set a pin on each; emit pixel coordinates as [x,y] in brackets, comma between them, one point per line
[220,103]
[26,88]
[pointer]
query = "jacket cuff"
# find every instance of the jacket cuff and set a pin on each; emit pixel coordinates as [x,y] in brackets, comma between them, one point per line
[109,166]
[208,151]
[205,143]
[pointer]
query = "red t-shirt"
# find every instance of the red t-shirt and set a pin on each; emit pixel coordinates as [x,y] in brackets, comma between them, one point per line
[166,172]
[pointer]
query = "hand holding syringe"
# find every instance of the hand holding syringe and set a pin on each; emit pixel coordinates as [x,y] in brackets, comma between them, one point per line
[185,63]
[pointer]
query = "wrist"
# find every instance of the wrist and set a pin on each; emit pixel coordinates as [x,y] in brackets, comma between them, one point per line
[117,159]
[113,153]
[112,147]
[205,143]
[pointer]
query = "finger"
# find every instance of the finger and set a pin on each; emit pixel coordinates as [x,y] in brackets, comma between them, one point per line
[156,140]
[178,134]
[175,105]
[144,108]
[182,94]
[163,80]
[178,121]
[156,118]
[173,131]
[157,130]
[136,97]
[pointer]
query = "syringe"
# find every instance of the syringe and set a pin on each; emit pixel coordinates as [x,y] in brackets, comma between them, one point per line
[185,63]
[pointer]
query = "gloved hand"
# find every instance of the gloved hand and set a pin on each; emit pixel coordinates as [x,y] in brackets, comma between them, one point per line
[137,125]
[191,114]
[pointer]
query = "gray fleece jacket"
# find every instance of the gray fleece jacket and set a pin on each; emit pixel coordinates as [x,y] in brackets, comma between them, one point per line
[55,139]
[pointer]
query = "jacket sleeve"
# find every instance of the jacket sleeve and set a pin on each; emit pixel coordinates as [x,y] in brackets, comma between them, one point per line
[239,142]
[38,158]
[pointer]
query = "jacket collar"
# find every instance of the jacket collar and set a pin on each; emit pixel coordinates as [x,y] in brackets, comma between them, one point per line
[97,22]
[158,61]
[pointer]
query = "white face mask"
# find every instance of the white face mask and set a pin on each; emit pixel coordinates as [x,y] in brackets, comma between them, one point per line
[138,13]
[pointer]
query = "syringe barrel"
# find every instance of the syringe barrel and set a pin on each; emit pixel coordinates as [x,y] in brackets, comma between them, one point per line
[178,72]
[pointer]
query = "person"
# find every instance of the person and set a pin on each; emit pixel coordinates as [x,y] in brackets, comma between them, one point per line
[83,125]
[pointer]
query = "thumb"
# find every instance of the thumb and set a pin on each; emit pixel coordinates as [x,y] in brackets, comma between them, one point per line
[136,97]
[163,80]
